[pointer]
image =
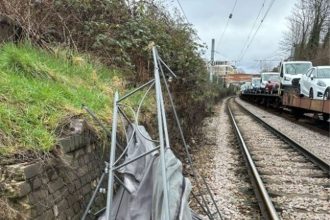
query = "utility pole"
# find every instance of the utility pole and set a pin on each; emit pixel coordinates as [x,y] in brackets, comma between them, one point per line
[212,59]
[212,51]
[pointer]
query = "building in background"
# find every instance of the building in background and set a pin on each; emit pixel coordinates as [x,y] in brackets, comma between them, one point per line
[239,79]
[223,68]
[223,73]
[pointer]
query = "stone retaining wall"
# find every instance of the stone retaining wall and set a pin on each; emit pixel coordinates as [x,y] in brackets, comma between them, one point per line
[57,188]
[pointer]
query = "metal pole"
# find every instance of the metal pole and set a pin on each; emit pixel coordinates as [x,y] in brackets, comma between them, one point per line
[167,139]
[187,152]
[100,123]
[201,205]
[112,157]
[96,119]
[135,90]
[93,197]
[212,59]
[212,51]
[160,59]
[211,73]
[160,130]
[135,158]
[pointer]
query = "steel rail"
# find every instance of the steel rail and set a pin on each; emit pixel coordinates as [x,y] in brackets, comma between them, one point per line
[309,155]
[266,206]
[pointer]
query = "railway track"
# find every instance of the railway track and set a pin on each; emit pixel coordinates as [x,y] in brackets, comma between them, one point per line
[307,120]
[289,183]
[309,113]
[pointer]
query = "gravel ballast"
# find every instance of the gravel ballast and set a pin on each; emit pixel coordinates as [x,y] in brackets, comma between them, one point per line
[220,161]
[313,141]
[298,189]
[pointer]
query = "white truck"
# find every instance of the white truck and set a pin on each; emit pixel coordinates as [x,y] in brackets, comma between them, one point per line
[292,70]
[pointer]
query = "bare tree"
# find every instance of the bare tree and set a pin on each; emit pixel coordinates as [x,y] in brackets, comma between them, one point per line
[320,12]
[308,27]
[299,24]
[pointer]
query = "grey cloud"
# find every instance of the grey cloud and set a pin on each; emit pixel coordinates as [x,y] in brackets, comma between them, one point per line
[210,16]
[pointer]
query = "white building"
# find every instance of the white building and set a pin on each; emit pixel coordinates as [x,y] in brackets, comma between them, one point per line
[223,68]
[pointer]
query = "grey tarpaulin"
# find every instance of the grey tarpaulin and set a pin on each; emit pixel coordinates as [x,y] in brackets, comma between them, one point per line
[143,179]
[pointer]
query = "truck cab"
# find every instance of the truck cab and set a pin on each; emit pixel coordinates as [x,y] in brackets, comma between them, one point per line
[293,70]
[269,80]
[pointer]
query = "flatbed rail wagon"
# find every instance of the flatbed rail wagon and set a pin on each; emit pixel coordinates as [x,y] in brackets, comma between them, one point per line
[291,100]
[306,104]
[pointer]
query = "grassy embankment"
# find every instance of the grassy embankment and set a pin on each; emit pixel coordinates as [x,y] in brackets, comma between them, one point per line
[39,91]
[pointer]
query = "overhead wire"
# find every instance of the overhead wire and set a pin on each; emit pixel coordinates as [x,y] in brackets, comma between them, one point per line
[255,33]
[223,33]
[226,26]
[252,28]
[183,12]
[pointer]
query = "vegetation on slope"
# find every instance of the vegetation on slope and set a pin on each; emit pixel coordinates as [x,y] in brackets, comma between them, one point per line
[39,91]
[119,33]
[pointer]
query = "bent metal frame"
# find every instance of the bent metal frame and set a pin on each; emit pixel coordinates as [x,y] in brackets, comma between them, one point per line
[162,144]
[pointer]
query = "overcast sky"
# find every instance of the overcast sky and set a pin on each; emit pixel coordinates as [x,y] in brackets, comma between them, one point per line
[209,18]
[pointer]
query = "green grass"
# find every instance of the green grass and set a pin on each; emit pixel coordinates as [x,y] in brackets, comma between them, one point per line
[39,91]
